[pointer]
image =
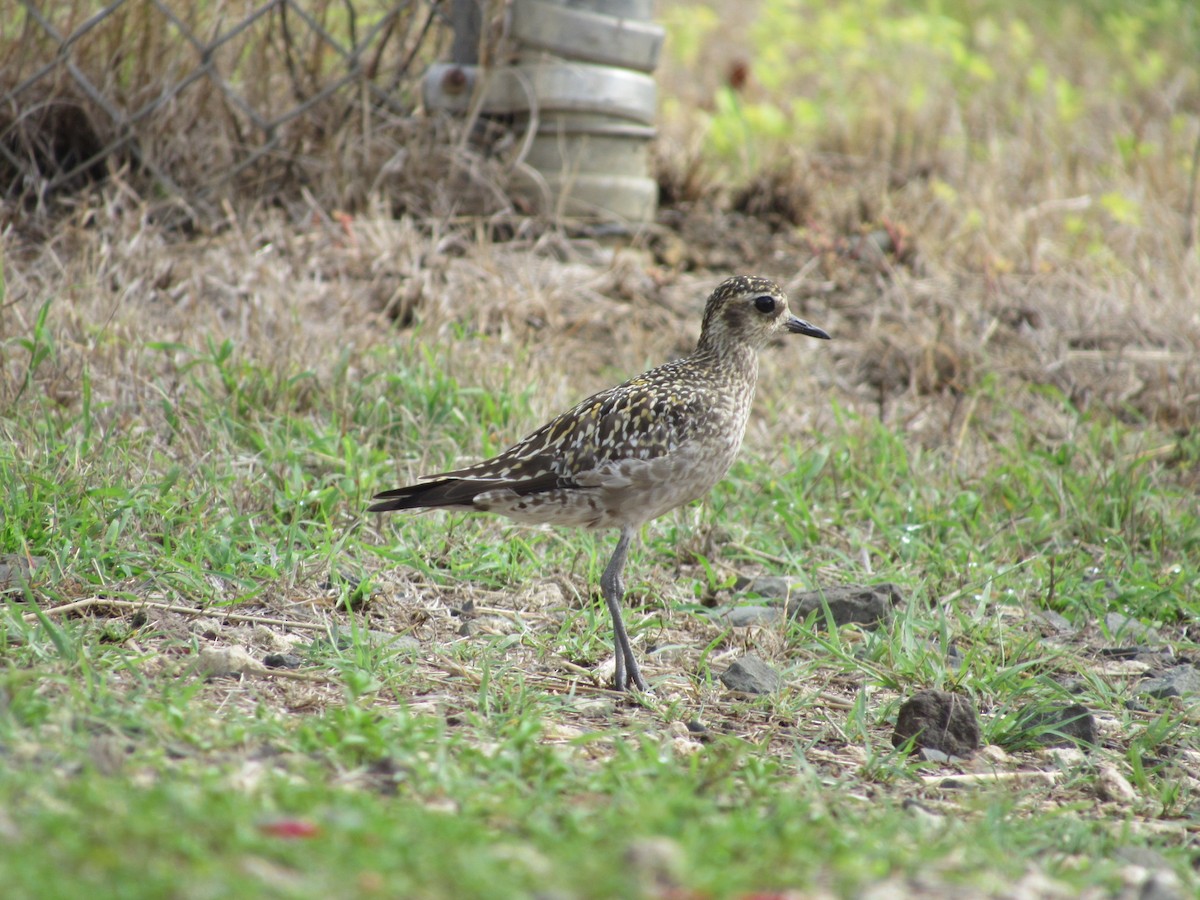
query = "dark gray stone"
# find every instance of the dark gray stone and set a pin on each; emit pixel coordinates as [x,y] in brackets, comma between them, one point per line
[282,661]
[866,605]
[750,675]
[1161,882]
[1174,682]
[1055,622]
[1162,885]
[1059,725]
[929,754]
[939,721]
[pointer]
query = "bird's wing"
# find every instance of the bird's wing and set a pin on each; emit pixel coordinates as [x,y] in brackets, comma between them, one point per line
[633,421]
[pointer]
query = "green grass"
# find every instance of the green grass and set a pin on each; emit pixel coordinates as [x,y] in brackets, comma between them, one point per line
[481,806]
[519,820]
[123,769]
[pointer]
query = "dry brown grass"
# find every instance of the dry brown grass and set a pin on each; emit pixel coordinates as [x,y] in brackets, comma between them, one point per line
[197,104]
[296,291]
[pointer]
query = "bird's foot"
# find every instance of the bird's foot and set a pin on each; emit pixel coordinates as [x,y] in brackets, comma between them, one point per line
[628,675]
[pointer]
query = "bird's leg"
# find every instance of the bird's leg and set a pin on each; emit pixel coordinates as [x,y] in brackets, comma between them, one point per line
[612,586]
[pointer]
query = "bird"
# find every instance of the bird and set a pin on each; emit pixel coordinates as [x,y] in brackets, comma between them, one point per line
[629,454]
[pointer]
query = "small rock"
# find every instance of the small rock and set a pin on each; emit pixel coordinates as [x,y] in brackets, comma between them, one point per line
[926,817]
[282,661]
[605,671]
[1162,885]
[1113,786]
[750,675]
[1123,669]
[544,596]
[1066,758]
[929,754]
[595,707]
[686,746]
[485,623]
[213,662]
[866,605]
[938,720]
[993,754]
[1175,682]
[1156,657]
[1124,628]
[1058,725]
[744,616]
[1054,622]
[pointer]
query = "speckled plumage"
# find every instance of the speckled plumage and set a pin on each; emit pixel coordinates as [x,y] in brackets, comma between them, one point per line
[629,454]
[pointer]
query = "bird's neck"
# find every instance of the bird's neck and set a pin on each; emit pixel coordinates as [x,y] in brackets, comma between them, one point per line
[736,361]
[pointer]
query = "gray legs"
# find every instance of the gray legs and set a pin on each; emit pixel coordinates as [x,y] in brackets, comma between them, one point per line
[612,586]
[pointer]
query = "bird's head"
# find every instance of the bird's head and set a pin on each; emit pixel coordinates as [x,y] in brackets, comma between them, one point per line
[746,311]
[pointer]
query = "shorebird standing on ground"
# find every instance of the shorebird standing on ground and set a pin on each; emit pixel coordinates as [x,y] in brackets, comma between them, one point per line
[629,454]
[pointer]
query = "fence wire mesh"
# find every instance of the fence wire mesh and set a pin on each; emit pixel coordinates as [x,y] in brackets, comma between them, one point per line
[203,99]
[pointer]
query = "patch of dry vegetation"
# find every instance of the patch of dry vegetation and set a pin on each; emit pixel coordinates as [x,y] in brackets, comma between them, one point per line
[197,104]
[996,228]
[1003,233]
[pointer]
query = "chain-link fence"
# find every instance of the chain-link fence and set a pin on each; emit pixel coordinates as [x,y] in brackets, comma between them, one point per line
[199,100]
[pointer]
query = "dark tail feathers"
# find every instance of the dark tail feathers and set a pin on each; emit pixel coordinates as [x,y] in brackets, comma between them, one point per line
[458,493]
[441,493]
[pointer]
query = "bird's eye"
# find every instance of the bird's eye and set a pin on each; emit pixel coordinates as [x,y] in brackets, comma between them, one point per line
[765,304]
